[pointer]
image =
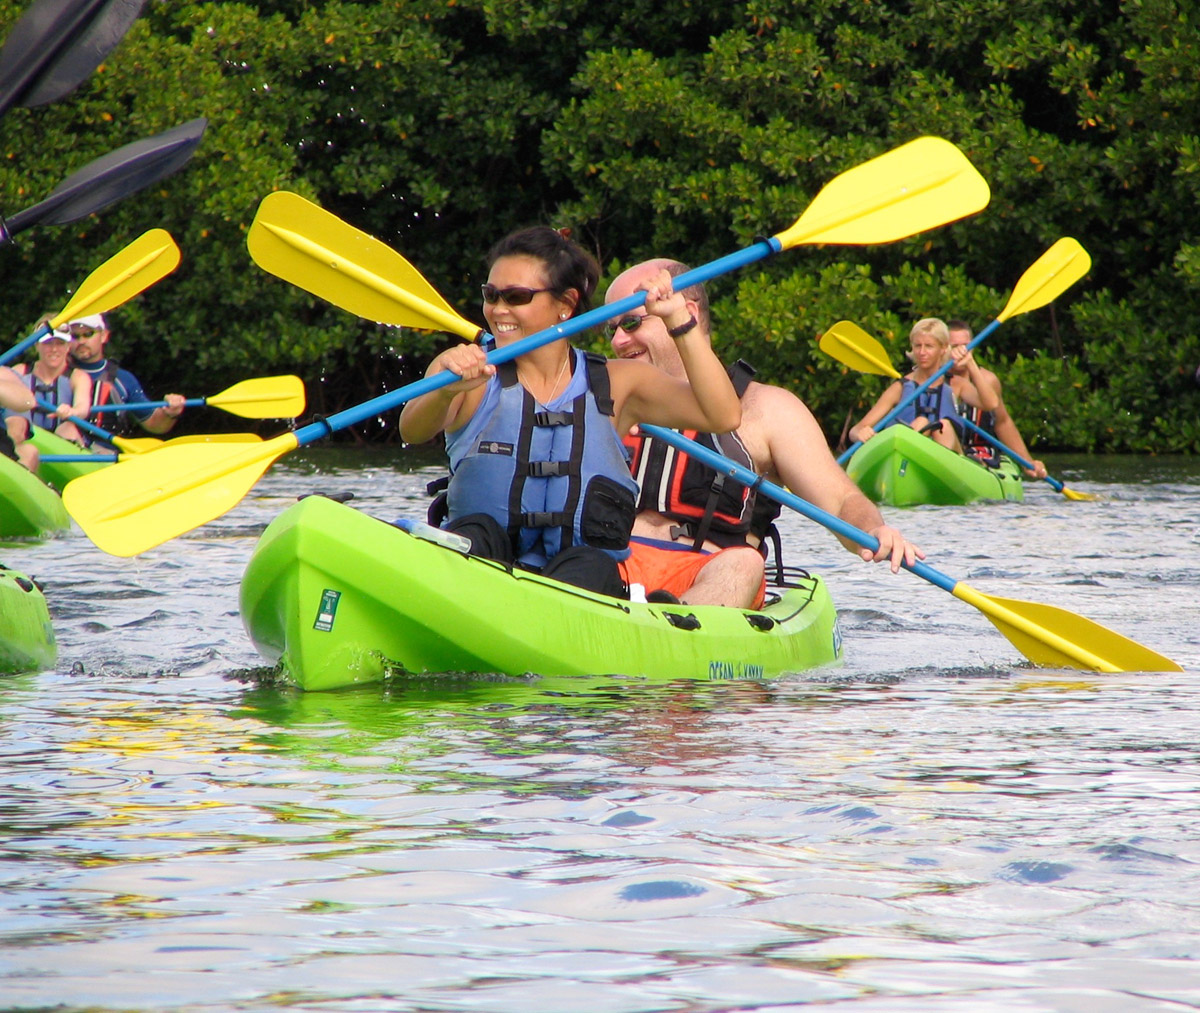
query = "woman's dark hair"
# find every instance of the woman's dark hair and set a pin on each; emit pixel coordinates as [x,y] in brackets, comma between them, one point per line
[568,265]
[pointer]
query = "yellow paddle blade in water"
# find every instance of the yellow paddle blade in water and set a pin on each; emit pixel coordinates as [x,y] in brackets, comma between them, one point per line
[263,397]
[153,255]
[147,499]
[917,186]
[302,243]
[1047,278]
[1054,637]
[854,347]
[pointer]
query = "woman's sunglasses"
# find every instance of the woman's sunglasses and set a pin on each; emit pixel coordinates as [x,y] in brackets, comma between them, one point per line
[627,324]
[514,296]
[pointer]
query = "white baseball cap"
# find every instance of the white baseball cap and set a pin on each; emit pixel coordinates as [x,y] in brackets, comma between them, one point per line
[96,321]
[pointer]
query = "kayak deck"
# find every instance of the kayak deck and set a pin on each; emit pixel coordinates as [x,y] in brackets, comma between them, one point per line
[900,467]
[59,473]
[338,598]
[27,642]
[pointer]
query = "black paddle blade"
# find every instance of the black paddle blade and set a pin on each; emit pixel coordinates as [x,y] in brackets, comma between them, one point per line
[111,178]
[57,44]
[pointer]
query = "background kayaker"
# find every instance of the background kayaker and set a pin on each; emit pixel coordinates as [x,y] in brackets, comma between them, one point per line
[112,383]
[929,350]
[51,380]
[526,485]
[995,420]
[778,438]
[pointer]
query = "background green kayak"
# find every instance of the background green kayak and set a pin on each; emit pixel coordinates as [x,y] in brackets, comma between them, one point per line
[27,642]
[336,597]
[59,473]
[900,467]
[29,508]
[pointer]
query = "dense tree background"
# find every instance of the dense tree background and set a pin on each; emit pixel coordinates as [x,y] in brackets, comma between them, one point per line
[682,131]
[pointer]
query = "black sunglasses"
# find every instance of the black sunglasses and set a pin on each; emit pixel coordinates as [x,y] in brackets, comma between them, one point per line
[514,296]
[627,324]
[81,331]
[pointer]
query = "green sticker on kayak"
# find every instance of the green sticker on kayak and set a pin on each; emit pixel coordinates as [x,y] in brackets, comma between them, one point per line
[328,610]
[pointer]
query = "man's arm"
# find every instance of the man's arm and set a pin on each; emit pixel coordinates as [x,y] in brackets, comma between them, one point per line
[800,459]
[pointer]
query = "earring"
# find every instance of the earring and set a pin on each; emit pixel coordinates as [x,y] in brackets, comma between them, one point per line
[562,316]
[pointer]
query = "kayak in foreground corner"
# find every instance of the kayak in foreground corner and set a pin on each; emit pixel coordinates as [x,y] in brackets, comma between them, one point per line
[338,598]
[900,467]
[29,508]
[27,642]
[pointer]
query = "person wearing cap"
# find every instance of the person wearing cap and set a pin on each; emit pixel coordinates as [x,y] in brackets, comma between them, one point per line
[112,383]
[51,381]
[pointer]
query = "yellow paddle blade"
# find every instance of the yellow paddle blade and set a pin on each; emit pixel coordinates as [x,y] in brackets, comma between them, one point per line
[1048,277]
[920,185]
[264,397]
[1052,636]
[153,255]
[145,500]
[1071,494]
[302,243]
[136,444]
[854,347]
[213,438]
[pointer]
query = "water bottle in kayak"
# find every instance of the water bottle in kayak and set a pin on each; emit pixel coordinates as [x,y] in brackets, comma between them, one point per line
[446,539]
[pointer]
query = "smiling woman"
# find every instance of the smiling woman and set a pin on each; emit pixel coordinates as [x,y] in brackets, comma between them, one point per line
[538,475]
[51,381]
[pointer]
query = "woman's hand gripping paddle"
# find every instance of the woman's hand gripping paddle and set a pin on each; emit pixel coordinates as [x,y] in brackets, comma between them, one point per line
[1045,634]
[854,347]
[1051,274]
[149,258]
[141,503]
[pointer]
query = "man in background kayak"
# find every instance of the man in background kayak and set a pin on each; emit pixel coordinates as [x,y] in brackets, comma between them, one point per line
[697,536]
[997,422]
[112,383]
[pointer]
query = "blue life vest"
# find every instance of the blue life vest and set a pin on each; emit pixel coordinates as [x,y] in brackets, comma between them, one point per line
[933,403]
[552,475]
[56,393]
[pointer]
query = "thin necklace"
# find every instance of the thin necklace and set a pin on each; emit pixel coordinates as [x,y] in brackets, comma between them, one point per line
[557,379]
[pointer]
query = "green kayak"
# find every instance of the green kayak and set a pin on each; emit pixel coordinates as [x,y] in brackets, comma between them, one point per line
[900,467]
[27,641]
[59,473]
[29,508]
[338,598]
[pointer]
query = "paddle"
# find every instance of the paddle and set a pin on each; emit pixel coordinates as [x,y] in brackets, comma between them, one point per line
[1045,634]
[265,397]
[137,445]
[110,178]
[130,508]
[1050,275]
[85,458]
[57,44]
[854,347]
[1050,480]
[149,258]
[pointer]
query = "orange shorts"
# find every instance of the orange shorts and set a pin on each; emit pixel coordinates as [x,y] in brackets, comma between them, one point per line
[674,570]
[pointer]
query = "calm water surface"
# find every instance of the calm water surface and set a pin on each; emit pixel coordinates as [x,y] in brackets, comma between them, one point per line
[933,826]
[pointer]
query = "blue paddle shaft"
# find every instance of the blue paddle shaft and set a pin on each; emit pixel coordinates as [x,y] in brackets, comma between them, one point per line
[744,476]
[386,402]
[917,392]
[78,458]
[139,405]
[86,426]
[23,344]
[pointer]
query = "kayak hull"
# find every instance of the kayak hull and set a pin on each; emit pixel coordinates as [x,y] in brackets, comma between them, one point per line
[900,467]
[29,508]
[27,641]
[337,598]
[59,473]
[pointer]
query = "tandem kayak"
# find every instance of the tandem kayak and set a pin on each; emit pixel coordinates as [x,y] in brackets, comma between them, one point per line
[900,467]
[29,508]
[337,598]
[27,642]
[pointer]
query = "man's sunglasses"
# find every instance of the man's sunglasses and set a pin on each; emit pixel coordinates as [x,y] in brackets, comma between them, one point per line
[627,324]
[514,296]
[81,331]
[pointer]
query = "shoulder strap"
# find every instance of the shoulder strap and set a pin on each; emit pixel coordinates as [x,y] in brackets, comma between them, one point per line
[597,367]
